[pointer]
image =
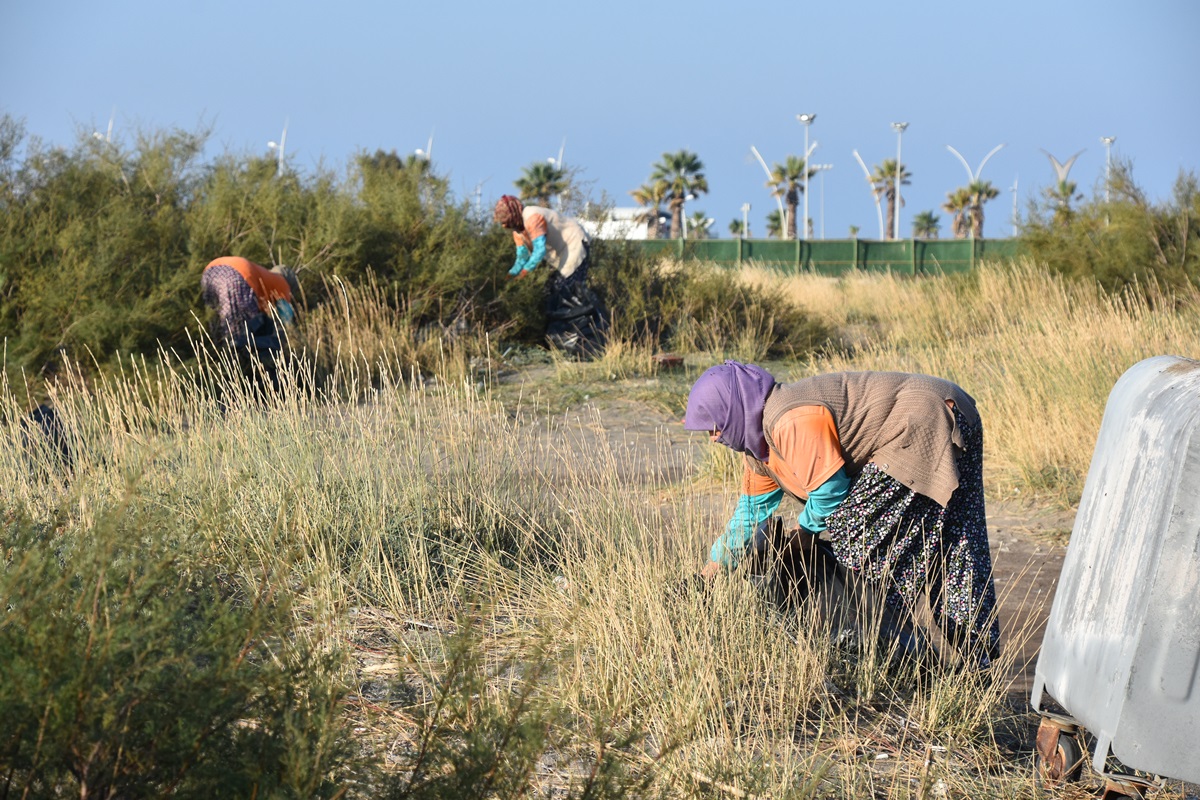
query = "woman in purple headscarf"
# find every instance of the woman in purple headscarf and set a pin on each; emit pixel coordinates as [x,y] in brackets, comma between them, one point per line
[889,467]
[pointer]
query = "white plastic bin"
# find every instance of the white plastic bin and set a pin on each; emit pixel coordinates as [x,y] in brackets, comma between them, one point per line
[1121,652]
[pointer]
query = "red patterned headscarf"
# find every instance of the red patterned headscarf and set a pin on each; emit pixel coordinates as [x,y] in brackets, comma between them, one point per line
[509,213]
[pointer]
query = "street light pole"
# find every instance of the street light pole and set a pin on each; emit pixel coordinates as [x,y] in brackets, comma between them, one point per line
[767,170]
[279,147]
[898,127]
[974,176]
[1108,142]
[874,192]
[1014,219]
[820,168]
[806,120]
[745,220]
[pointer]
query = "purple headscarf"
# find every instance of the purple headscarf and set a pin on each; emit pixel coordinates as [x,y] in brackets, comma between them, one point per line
[730,399]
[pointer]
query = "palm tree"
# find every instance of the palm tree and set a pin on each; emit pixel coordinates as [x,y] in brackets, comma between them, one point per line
[774,225]
[958,203]
[684,173]
[884,181]
[541,181]
[925,225]
[1061,196]
[787,181]
[651,196]
[699,224]
[981,192]
[737,230]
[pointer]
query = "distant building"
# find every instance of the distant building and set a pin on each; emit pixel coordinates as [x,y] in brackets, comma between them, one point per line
[624,223]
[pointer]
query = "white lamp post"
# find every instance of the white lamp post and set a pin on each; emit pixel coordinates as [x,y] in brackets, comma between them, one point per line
[974,176]
[106,137]
[806,120]
[1108,142]
[1014,220]
[898,127]
[278,148]
[874,192]
[745,220]
[820,168]
[767,170]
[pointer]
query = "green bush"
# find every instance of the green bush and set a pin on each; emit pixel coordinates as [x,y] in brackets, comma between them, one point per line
[133,668]
[1125,242]
[691,306]
[102,246]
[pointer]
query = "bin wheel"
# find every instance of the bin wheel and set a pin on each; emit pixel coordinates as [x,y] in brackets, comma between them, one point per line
[1066,765]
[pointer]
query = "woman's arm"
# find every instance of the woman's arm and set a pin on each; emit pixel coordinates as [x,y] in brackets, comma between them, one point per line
[823,500]
[539,252]
[519,265]
[751,509]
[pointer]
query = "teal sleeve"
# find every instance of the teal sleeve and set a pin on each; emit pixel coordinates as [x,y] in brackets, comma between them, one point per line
[539,252]
[522,260]
[287,314]
[823,500]
[750,511]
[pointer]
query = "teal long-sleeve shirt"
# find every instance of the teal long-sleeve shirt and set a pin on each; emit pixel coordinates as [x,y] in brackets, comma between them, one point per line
[751,510]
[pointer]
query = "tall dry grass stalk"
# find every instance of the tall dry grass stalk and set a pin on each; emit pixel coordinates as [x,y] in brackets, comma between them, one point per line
[404,504]
[377,329]
[1039,353]
[407,503]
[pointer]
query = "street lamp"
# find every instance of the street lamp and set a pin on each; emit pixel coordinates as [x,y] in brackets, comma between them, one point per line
[820,168]
[279,149]
[806,120]
[767,170]
[1015,215]
[974,176]
[874,191]
[106,137]
[1108,141]
[898,127]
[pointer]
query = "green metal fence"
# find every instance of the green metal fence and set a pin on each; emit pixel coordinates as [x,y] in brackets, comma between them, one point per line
[835,256]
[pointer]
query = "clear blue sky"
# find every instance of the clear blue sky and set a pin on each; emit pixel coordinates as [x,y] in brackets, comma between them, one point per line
[501,85]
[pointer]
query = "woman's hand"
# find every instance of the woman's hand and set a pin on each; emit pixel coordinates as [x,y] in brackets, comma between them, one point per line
[710,570]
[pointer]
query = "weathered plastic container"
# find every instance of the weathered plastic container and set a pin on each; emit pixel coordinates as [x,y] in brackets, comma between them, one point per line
[1121,652]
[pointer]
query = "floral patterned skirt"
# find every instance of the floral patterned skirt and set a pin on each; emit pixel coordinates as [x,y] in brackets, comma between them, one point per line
[887,533]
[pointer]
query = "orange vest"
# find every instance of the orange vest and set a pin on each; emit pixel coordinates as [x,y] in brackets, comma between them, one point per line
[266,285]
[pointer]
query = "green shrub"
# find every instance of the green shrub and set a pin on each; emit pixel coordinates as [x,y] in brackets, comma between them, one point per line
[486,728]
[690,306]
[133,668]
[1125,242]
[102,246]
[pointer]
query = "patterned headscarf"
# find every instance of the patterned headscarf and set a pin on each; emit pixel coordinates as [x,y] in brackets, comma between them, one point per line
[508,213]
[730,399]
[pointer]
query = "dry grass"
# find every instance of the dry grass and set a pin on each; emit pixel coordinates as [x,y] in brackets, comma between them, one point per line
[1039,353]
[409,511]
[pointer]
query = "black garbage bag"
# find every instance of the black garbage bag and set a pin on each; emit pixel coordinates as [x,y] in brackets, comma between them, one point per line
[46,441]
[576,321]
